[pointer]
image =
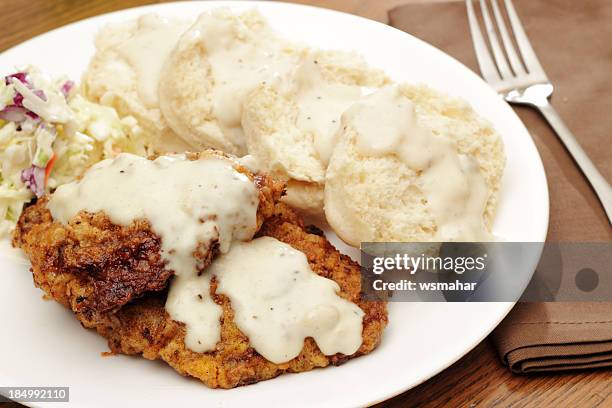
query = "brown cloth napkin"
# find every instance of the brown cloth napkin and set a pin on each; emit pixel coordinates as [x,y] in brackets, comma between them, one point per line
[556,336]
[573,41]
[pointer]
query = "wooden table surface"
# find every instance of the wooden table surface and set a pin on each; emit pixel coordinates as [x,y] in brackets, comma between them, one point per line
[478,379]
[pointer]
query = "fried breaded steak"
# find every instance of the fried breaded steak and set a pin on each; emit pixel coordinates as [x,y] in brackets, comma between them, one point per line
[144,327]
[94,266]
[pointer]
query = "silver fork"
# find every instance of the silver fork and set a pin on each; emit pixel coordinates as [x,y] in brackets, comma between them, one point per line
[526,85]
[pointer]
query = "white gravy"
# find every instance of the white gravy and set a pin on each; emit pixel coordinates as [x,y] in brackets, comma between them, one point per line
[238,65]
[386,123]
[147,50]
[189,301]
[187,202]
[321,105]
[278,301]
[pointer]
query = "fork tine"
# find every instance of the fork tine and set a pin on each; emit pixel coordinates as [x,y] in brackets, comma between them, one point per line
[515,62]
[485,62]
[498,54]
[531,61]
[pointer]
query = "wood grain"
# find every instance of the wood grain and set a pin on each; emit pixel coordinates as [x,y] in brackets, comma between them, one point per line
[478,379]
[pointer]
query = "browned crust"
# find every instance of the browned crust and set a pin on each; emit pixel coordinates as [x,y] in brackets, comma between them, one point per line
[94,266]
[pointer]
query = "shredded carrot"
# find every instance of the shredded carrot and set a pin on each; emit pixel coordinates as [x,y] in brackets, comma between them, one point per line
[49,167]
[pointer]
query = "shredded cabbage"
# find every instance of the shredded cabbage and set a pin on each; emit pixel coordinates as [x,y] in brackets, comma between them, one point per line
[49,135]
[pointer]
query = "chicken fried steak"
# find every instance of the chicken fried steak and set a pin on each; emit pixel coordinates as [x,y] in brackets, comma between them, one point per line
[130,248]
[144,327]
[94,266]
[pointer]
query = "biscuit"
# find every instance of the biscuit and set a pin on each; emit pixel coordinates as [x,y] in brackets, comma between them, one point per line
[291,124]
[378,198]
[113,80]
[212,68]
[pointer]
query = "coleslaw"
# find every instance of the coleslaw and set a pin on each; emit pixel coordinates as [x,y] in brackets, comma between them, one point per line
[49,135]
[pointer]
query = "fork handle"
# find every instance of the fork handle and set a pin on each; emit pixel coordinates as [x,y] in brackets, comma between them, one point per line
[598,182]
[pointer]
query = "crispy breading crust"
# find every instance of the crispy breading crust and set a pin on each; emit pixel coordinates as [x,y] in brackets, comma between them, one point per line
[94,266]
[144,327]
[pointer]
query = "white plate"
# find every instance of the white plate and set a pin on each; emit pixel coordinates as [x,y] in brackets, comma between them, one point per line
[42,344]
